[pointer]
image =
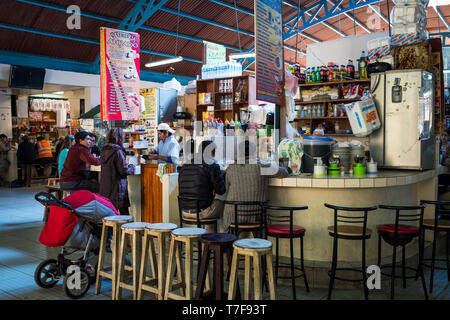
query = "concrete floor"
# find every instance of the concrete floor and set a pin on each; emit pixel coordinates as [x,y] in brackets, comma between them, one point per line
[21,252]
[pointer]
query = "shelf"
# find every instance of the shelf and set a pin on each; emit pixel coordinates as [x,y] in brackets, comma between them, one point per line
[335,135]
[320,118]
[223,110]
[135,132]
[224,93]
[241,102]
[327,101]
[333,83]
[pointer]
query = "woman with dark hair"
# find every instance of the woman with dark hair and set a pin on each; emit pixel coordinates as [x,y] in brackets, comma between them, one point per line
[25,157]
[114,170]
[68,142]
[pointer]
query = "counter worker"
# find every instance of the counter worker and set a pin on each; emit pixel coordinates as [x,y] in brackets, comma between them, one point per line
[168,150]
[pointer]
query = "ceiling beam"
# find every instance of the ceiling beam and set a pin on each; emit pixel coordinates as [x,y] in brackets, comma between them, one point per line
[359,23]
[80,39]
[37,61]
[441,16]
[378,12]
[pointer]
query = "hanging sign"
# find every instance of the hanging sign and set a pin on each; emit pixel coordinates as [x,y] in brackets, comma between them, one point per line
[269,51]
[119,74]
[214,53]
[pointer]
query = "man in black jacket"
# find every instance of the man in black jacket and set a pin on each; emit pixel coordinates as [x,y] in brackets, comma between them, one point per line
[202,181]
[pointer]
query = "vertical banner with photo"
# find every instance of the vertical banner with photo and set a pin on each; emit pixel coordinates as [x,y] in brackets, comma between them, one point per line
[269,51]
[150,116]
[119,74]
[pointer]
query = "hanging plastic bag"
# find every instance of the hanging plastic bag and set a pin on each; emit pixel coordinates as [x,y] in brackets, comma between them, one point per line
[363,117]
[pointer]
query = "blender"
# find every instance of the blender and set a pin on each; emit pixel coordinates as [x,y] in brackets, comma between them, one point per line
[334,169]
[359,169]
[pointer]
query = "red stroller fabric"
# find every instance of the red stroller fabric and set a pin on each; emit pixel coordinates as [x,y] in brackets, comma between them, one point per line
[61,222]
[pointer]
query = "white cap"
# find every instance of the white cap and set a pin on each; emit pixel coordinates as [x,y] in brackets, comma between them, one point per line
[165,127]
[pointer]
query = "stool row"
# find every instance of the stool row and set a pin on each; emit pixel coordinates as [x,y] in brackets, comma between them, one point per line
[137,239]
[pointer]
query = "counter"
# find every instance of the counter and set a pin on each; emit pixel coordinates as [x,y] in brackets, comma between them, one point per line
[388,187]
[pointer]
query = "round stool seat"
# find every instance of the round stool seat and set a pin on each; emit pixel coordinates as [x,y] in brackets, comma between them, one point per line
[218,238]
[253,243]
[135,225]
[119,218]
[284,229]
[189,231]
[402,228]
[162,226]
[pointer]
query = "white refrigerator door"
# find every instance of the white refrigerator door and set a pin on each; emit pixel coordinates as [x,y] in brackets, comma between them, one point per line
[402,144]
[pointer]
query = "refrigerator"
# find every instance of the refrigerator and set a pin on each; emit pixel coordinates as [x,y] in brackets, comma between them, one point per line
[405,103]
[160,106]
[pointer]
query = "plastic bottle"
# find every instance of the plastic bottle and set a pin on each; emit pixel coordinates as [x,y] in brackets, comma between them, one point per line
[350,70]
[363,66]
[343,73]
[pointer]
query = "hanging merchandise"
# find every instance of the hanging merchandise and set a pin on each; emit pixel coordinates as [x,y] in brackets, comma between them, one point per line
[291,149]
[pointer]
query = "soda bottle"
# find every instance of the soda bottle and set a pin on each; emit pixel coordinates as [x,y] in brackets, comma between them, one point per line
[317,74]
[358,72]
[343,72]
[330,73]
[322,74]
[308,75]
[326,72]
[314,75]
[363,66]
[350,70]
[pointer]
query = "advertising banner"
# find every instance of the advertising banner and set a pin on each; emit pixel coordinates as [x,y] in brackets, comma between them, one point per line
[119,74]
[269,51]
[214,53]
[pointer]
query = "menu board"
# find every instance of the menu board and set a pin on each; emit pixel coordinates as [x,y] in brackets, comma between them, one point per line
[269,50]
[119,74]
[214,53]
[150,116]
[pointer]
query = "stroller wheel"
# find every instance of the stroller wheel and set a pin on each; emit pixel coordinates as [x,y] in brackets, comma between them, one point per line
[74,286]
[46,274]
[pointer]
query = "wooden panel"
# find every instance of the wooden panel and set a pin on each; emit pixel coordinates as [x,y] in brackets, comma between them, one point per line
[151,193]
[439,103]
[190,103]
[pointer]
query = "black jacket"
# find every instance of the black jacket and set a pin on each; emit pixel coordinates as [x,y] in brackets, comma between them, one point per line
[25,153]
[200,181]
[114,171]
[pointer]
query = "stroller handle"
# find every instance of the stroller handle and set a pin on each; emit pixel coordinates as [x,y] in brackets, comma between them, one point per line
[47,199]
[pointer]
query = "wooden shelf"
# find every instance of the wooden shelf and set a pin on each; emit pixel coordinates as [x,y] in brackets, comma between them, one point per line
[327,101]
[320,118]
[333,83]
[335,135]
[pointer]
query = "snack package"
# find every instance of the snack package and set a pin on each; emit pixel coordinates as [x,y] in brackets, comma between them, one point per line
[355,91]
[291,149]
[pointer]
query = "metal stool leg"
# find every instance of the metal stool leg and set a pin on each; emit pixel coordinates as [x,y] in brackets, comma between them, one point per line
[291,242]
[446,254]
[403,267]
[276,260]
[394,256]
[303,265]
[333,267]
[420,267]
[379,250]
[366,290]
[433,257]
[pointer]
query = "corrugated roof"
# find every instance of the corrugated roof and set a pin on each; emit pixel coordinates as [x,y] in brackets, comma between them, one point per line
[33,18]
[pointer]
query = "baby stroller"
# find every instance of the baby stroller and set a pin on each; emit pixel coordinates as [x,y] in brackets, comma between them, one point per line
[75,224]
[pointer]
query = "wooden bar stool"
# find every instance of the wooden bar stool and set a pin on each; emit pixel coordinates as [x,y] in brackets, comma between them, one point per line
[220,244]
[200,223]
[155,284]
[399,234]
[252,248]
[282,227]
[112,223]
[52,181]
[344,228]
[188,236]
[131,236]
[440,223]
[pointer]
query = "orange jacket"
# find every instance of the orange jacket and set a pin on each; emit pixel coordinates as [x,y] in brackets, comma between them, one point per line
[44,149]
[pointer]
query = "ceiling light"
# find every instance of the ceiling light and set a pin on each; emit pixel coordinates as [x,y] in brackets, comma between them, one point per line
[435,3]
[162,62]
[242,55]
[58,92]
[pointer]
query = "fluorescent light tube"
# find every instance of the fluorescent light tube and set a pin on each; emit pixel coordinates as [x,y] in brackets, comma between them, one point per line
[242,55]
[162,62]
[58,92]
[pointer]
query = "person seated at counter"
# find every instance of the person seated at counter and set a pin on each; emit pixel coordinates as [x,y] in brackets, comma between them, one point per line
[4,162]
[25,158]
[247,182]
[94,149]
[78,159]
[114,171]
[69,141]
[202,181]
[45,156]
[445,148]
[168,149]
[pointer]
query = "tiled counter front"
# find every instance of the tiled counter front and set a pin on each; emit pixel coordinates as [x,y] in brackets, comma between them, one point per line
[388,187]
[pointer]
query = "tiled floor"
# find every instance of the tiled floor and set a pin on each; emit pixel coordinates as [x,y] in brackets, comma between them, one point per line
[20,253]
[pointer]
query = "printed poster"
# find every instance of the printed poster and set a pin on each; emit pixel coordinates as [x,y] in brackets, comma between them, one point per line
[215,53]
[150,116]
[269,51]
[119,74]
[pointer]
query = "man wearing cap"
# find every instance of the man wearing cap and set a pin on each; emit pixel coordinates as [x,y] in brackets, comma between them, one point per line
[168,150]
